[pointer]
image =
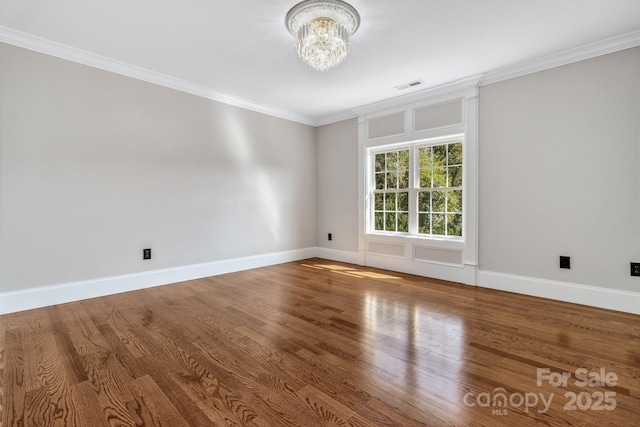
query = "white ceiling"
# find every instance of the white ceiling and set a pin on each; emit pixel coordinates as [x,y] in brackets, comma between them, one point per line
[240,50]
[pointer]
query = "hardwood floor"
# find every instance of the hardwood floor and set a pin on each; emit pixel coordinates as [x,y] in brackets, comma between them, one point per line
[315,343]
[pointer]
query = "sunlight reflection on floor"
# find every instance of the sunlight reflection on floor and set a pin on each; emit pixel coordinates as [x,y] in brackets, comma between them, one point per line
[417,347]
[408,344]
[350,271]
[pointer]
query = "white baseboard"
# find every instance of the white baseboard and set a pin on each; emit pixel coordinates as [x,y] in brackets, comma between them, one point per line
[11,302]
[338,255]
[611,299]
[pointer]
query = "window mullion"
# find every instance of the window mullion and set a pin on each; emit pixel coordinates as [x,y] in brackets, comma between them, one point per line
[413,194]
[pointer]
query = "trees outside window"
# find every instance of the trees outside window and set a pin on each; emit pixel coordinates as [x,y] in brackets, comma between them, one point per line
[417,190]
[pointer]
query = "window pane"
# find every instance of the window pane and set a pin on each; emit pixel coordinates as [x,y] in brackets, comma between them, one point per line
[403,222]
[440,155]
[392,180]
[424,201]
[379,220]
[379,202]
[403,159]
[425,178]
[455,153]
[379,166]
[439,177]
[438,224]
[403,179]
[423,224]
[390,221]
[424,155]
[454,225]
[390,201]
[403,202]
[392,161]
[438,201]
[455,176]
[380,177]
[454,201]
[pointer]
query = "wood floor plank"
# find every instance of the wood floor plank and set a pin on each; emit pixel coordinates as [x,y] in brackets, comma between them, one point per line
[315,343]
[151,407]
[113,393]
[13,382]
[3,338]
[89,410]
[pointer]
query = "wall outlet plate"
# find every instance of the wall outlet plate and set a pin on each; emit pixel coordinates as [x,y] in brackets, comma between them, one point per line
[635,269]
[146,254]
[565,262]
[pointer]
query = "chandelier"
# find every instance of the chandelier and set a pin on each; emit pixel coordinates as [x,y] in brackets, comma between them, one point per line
[322,29]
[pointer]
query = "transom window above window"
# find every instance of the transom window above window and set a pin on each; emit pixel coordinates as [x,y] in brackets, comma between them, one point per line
[417,189]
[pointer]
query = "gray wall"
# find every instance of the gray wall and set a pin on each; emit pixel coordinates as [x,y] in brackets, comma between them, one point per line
[560,172]
[338,185]
[95,166]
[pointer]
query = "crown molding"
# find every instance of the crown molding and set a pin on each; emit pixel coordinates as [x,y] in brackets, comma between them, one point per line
[566,57]
[59,50]
[335,118]
[48,47]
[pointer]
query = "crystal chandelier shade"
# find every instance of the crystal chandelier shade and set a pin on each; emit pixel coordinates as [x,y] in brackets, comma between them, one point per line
[322,43]
[322,29]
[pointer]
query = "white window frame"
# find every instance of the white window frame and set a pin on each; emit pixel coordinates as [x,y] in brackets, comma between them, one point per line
[413,188]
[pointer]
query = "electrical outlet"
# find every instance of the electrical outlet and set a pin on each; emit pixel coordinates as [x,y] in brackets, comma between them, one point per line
[146,254]
[329,236]
[565,262]
[635,268]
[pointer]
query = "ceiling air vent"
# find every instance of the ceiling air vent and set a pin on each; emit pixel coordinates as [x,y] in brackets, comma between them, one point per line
[410,84]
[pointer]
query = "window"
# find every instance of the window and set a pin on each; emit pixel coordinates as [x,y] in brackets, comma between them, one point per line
[416,189]
[440,190]
[417,185]
[391,195]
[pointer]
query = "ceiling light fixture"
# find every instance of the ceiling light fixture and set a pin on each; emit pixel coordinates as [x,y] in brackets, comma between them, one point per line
[322,29]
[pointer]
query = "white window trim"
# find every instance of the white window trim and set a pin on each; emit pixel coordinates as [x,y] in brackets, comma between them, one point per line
[413,147]
[467,246]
